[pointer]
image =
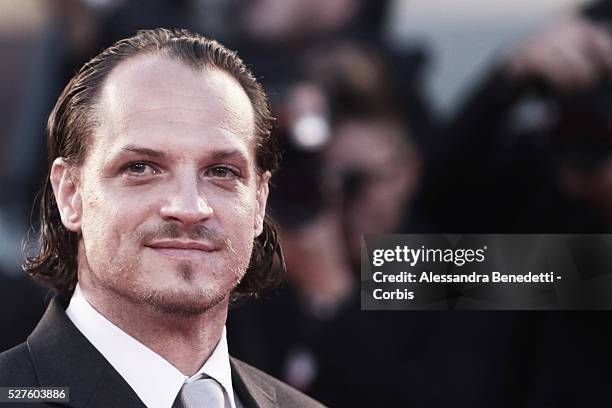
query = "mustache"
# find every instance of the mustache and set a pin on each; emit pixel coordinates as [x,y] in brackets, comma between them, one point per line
[196,233]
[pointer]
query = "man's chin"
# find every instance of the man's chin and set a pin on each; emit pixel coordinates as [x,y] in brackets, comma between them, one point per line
[183,303]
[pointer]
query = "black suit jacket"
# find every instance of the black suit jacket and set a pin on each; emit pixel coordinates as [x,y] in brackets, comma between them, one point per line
[56,354]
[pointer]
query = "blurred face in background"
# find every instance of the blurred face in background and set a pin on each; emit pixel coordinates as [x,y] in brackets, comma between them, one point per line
[288,20]
[582,141]
[593,187]
[376,170]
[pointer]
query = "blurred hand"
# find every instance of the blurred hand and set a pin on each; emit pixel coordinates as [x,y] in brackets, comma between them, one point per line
[317,264]
[570,55]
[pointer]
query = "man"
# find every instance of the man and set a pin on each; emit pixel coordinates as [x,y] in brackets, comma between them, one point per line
[153,221]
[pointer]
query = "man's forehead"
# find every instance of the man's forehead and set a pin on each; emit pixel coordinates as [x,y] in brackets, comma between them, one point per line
[155,90]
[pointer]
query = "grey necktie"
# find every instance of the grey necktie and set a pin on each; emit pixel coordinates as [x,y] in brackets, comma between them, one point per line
[202,392]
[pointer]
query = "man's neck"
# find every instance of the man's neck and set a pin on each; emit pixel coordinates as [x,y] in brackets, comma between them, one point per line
[186,342]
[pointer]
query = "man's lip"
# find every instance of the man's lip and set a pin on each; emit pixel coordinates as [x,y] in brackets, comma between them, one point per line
[186,245]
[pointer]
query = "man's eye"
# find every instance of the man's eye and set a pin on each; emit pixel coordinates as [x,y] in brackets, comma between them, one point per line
[221,172]
[141,169]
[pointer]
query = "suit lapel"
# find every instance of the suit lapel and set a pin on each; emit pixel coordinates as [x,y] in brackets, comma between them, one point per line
[112,391]
[63,357]
[253,391]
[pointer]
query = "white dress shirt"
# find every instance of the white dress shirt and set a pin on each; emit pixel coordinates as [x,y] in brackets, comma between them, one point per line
[153,379]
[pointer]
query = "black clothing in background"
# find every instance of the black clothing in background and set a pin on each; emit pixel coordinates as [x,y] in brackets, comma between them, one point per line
[394,358]
[22,303]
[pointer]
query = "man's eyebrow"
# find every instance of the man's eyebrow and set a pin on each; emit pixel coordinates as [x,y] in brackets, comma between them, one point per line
[214,155]
[228,154]
[143,150]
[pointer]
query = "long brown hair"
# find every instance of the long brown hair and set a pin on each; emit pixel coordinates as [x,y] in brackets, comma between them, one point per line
[71,123]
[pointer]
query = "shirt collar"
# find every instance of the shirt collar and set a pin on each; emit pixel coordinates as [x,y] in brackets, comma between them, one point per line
[153,379]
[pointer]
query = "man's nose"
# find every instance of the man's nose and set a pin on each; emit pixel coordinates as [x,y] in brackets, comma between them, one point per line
[186,203]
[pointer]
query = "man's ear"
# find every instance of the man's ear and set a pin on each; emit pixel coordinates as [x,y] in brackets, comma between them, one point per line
[263,190]
[67,194]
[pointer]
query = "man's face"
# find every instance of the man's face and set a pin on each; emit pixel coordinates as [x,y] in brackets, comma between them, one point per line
[379,173]
[168,199]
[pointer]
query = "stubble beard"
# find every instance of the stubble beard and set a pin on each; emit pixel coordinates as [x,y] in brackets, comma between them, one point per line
[117,279]
[194,301]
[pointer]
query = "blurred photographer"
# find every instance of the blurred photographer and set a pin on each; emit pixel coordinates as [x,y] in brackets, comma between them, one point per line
[351,166]
[528,150]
